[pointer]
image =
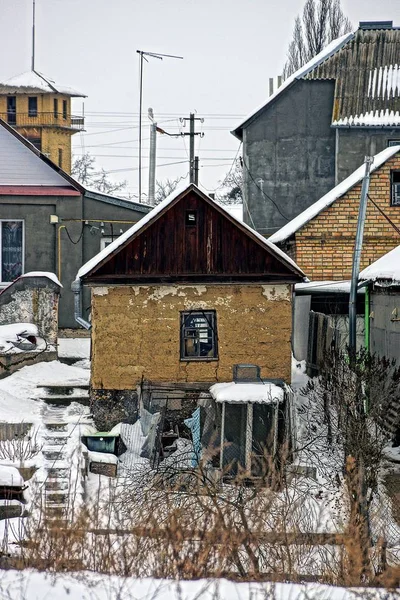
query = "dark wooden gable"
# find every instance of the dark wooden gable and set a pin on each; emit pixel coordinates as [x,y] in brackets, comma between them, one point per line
[193,241]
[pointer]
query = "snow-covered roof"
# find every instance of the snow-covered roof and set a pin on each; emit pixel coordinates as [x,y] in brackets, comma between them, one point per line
[232,392]
[153,214]
[330,49]
[377,118]
[33,82]
[386,268]
[312,211]
[46,274]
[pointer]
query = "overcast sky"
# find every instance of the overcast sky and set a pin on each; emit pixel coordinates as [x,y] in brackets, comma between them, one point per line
[230,49]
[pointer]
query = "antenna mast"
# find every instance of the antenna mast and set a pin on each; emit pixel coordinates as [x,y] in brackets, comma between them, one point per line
[33,35]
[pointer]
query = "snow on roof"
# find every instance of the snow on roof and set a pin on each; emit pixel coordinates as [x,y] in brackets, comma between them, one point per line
[328,51]
[49,275]
[10,477]
[376,118]
[263,392]
[385,268]
[152,215]
[334,287]
[33,81]
[312,211]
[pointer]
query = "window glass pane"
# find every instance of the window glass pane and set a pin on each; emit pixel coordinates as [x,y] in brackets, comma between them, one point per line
[198,336]
[234,449]
[11,250]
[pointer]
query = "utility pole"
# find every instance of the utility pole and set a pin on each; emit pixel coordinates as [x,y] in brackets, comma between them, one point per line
[152,158]
[143,56]
[196,170]
[191,134]
[33,34]
[357,258]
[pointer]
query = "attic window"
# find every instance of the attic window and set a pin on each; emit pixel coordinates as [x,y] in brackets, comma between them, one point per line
[393,143]
[191,218]
[395,188]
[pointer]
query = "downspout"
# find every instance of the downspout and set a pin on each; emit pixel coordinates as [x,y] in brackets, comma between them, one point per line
[366,317]
[77,289]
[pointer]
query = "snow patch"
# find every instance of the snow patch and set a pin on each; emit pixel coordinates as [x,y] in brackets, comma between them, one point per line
[263,392]
[385,268]
[47,274]
[10,477]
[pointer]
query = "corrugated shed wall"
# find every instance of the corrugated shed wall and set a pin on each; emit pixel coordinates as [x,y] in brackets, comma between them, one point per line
[367,74]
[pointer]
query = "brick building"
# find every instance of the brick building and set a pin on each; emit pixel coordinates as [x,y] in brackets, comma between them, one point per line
[178,300]
[321,239]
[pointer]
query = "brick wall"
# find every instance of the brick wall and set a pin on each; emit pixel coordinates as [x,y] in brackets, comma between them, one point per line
[324,246]
[136,332]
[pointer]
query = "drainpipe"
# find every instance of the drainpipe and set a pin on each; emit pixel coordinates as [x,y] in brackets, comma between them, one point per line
[77,289]
[367,313]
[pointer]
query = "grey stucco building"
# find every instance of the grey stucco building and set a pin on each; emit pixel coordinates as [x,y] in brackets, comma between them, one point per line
[49,222]
[319,125]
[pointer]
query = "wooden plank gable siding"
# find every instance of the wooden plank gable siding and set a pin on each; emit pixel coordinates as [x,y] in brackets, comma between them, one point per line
[171,249]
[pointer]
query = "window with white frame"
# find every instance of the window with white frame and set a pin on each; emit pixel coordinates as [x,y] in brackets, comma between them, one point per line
[395,185]
[11,249]
[105,241]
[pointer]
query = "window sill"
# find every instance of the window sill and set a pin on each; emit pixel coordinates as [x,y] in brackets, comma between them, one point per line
[195,359]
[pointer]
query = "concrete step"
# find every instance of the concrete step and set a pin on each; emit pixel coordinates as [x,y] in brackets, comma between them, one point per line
[56,498]
[65,389]
[57,485]
[55,440]
[54,454]
[66,400]
[56,427]
[55,511]
[61,472]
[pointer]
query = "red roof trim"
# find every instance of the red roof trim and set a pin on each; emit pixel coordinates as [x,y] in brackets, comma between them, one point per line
[33,190]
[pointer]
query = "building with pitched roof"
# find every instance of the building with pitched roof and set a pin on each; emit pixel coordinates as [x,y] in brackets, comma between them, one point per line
[321,238]
[40,110]
[316,129]
[49,222]
[178,300]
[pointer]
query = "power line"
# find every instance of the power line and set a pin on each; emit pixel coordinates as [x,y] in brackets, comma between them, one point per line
[263,193]
[397,229]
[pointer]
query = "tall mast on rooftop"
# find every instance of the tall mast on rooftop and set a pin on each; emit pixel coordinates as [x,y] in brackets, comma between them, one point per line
[33,33]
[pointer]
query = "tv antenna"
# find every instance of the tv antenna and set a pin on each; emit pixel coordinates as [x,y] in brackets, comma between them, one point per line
[144,56]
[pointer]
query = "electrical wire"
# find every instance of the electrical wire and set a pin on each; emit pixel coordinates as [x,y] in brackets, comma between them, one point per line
[382,212]
[79,238]
[264,194]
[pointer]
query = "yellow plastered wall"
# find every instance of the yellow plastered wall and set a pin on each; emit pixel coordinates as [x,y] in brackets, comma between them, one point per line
[52,141]
[324,246]
[136,332]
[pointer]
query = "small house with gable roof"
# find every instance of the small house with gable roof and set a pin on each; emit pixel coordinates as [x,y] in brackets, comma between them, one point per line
[178,300]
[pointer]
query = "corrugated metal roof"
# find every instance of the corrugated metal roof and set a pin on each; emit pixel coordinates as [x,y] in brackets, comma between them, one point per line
[367,74]
[366,67]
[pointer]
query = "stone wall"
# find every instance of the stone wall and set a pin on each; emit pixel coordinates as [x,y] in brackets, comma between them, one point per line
[136,333]
[32,300]
[324,246]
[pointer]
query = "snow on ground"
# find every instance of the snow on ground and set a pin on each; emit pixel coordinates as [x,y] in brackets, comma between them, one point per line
[74,348]
[32,585]
[16,333]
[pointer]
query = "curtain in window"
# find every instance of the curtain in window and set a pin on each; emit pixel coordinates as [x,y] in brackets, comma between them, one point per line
[11,250]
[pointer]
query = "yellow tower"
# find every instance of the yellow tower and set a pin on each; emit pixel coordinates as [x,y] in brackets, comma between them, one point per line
[40,110]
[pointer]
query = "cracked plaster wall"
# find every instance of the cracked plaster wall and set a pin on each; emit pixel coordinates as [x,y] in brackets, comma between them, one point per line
[136,332]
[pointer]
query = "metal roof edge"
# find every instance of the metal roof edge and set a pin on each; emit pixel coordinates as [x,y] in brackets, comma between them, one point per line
[115,201]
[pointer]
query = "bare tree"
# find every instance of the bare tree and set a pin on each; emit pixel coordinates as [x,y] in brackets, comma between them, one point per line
[322,21]
[84,169]
[232,185]
[165,188]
